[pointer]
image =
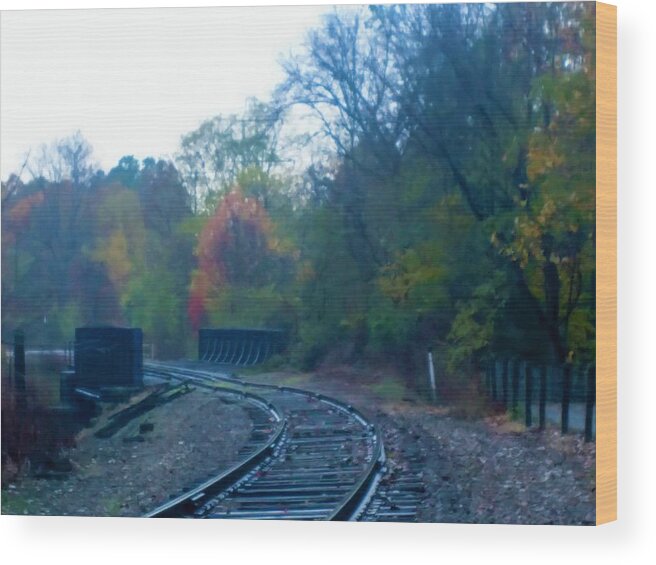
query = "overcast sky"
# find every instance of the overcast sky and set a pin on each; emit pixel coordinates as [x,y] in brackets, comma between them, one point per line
[133,81]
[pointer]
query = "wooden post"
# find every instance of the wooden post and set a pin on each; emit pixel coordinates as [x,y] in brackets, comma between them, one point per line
[590,401]
[543,397]
[19,360]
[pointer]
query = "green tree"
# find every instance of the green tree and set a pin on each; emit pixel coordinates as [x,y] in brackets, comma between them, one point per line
[213,156]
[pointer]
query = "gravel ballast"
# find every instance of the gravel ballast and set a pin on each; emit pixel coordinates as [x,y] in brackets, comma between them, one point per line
[489,470]
[181,444]
[486,470]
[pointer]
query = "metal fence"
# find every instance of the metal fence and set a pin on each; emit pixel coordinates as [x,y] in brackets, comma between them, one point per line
[563,394]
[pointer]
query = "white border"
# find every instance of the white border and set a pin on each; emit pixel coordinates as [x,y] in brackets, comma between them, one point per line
[630,540]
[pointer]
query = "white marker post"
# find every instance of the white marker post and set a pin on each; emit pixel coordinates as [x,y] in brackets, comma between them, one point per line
[431,376]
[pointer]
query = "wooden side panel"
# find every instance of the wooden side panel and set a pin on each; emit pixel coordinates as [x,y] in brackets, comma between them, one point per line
[606,85]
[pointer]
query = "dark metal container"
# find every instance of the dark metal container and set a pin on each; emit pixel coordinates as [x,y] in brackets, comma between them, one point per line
[108,357]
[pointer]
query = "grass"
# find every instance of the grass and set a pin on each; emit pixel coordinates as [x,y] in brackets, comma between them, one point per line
[293,380]
[517,413]
[262,375]
[113,507]
[391,389]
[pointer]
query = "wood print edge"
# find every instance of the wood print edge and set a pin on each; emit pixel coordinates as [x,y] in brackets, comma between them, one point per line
[606,287]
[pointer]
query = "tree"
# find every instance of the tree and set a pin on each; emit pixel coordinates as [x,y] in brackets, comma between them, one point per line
[212,156]
[242,265]
[343,80]
[126,172]
[94,253]
[65,158]
[432,111]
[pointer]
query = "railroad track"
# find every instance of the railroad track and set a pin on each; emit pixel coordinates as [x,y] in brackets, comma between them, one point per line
[309,457]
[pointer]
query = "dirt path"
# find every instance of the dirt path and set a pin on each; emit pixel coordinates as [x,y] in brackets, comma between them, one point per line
[192,438]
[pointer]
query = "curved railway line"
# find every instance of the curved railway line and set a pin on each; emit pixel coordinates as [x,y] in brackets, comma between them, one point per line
[309,457]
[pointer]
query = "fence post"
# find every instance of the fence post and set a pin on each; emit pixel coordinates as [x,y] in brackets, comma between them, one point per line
[590,401]
[9,359]
[431,375]
[515,385]
[567,386]
[528,395]
[504,393]
[19,371]
[494,380]
[19,360]
[543,397]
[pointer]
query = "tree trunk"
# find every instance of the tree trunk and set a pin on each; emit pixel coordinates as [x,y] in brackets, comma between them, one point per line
[567,388]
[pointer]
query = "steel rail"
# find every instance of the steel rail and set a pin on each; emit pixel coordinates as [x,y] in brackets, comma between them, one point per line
[188,501]
[352,504]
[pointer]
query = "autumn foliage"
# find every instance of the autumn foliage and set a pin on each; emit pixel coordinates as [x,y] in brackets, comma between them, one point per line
[235,247]
[449,204]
